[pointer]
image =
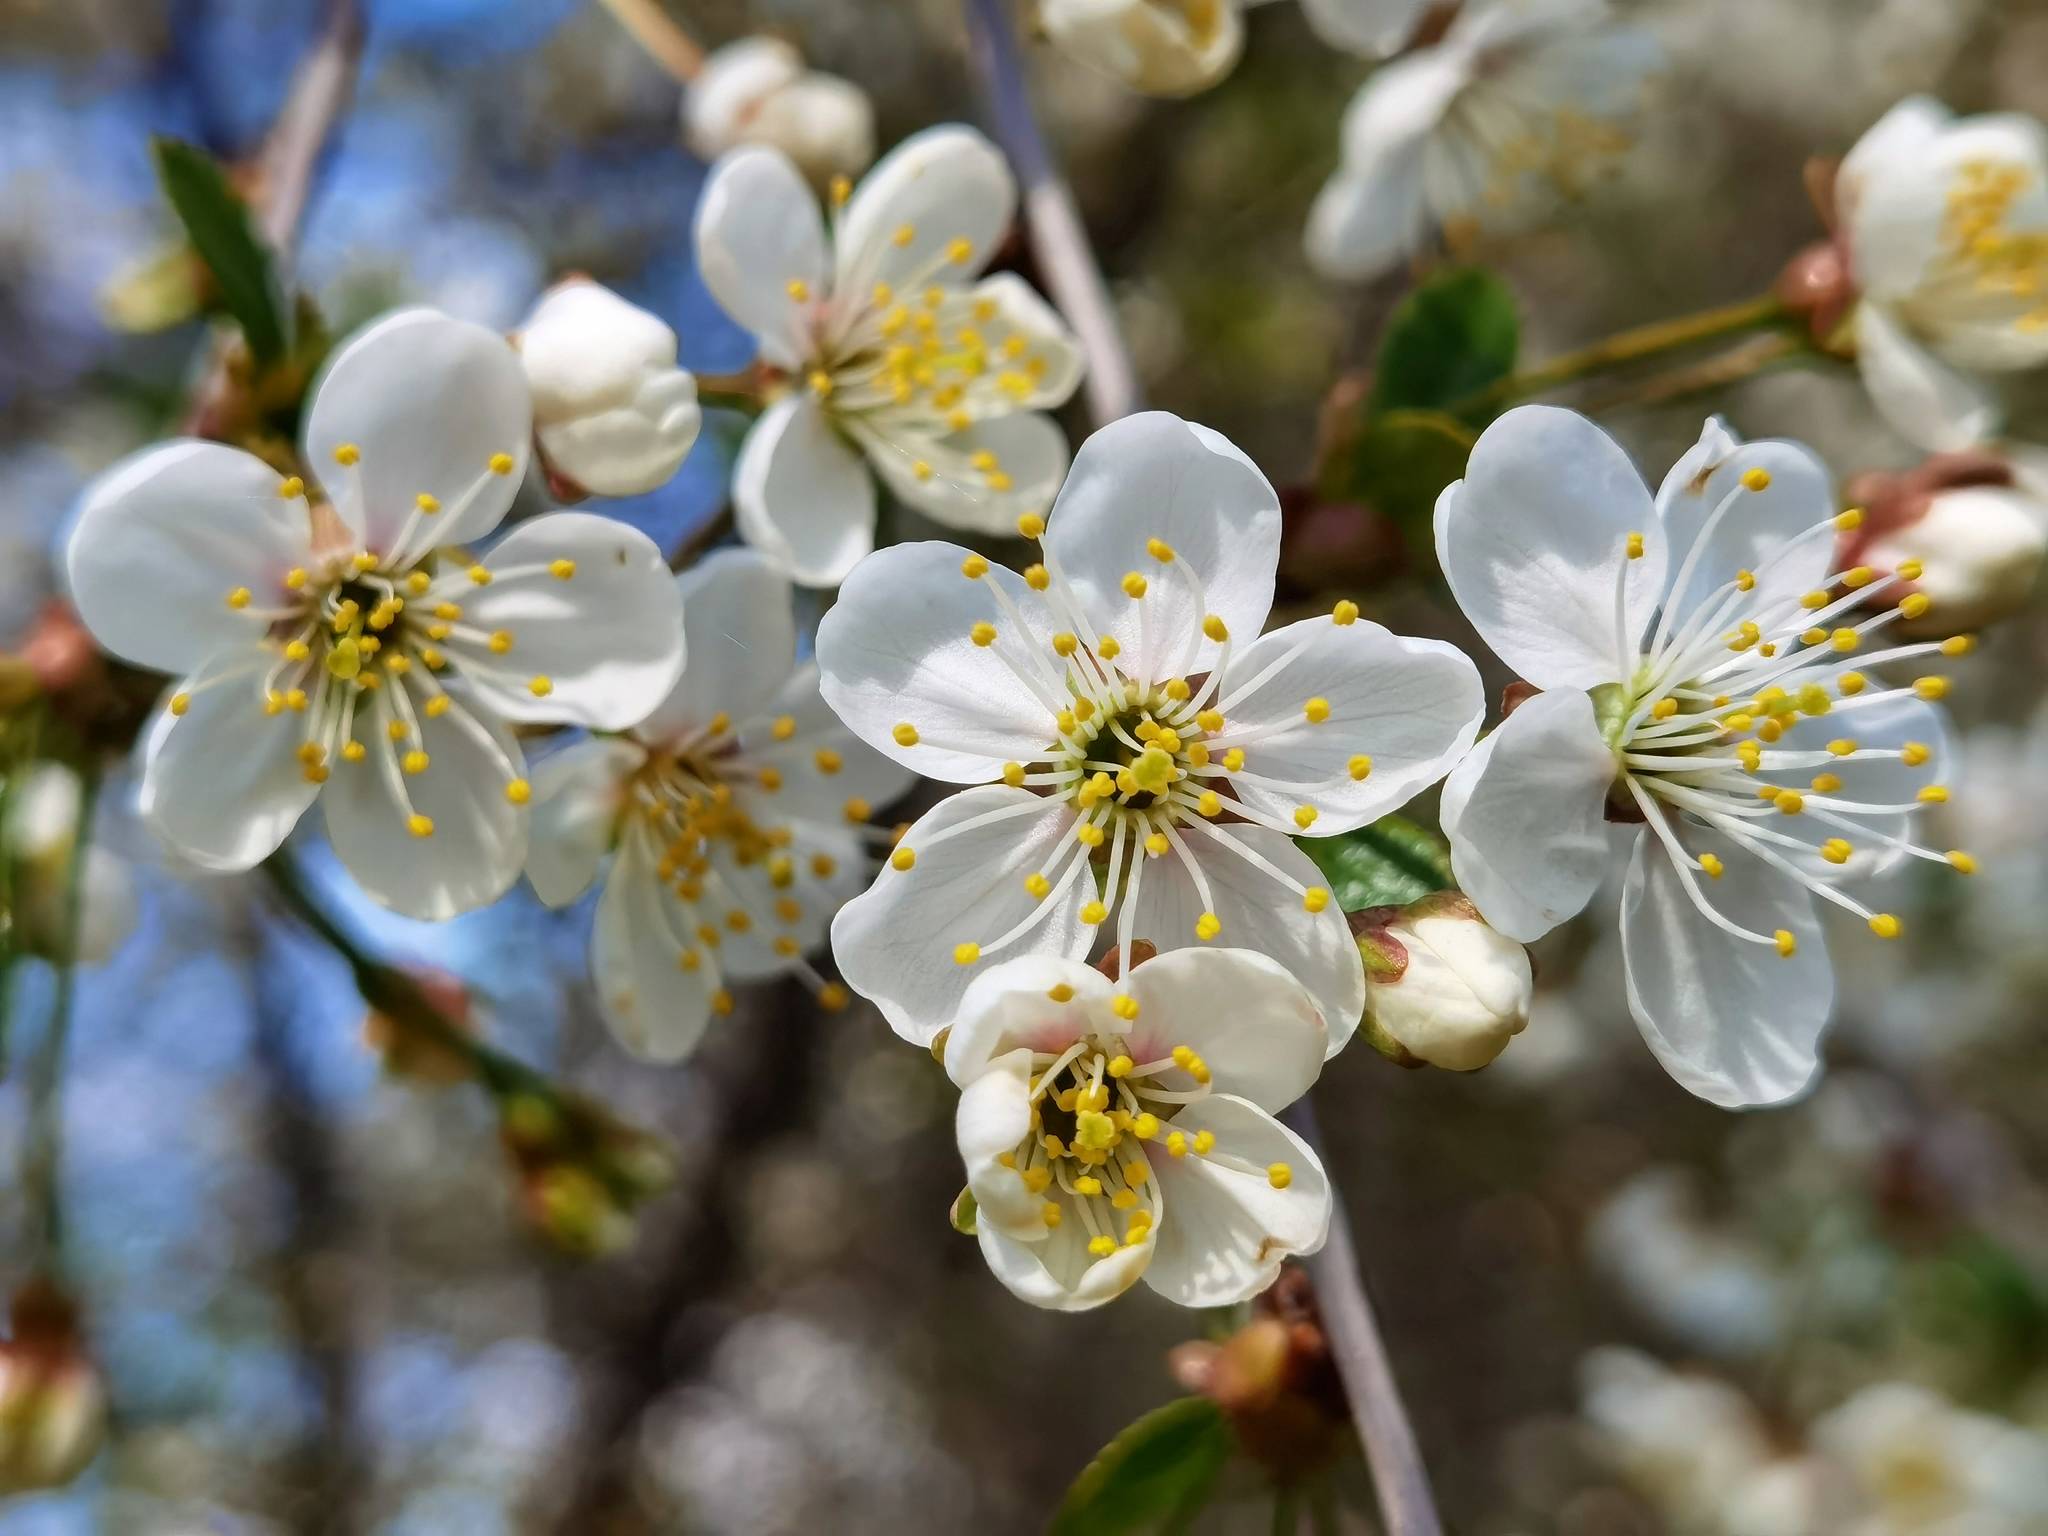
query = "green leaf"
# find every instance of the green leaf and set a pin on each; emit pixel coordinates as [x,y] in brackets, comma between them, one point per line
[962,1215]
[1452,337]
[1388,864]
[1158,1470]
[218,224]
[1400,463]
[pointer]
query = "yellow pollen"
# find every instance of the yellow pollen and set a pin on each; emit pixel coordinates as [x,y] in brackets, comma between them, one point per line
[1177,689]
[1664,709]
[1916,605]
[1745,581]
[427,504]
[1756,479]
[921,469]
[1841,746]
[1315,899]
[905,734]
[974,567]
[419,826]
[1849,684]
[1712,864]
[1304,816]
[1124,1006]
[480,575]
[960,249]
[1205,1141]
[1094,913]
[1933,794]
[1346,612]
[1210,720]
[983,634]
[518,791]
[1207,926]
[437,706]
[1210,804]
[414,761]
[450,611]
[295,579]
[856,809]
[1037,577]
[1279,1175]
[1931,688]
[1826,783]
[365,561]
[1157,846]
[1635,546]
[1958,645]
[1836,850]
[799,289]
[1030,525]
[239,598]
[1962,862]
[297,650]
[180,702]
[353,751]
[500,641]
[418,582]
[1850,521]
[291,488]
[1060,992]
[1107,648]
[1317,710]
[1159,550]
[539,687]
[828,762]
[501,464]
[1914,753]
[562,570]
[1885,926]
[1089,834]
[1858,576]
[721,1002]
[1133,584]
[1789,801]
[1814,599]
[1845,640]
[1788,943]
[347,453]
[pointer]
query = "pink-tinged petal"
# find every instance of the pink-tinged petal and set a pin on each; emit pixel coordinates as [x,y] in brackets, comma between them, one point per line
[1525,813]
[1039,1002]
[802,495]
[166,536]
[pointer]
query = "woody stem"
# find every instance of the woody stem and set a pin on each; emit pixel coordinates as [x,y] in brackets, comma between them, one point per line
[660,35]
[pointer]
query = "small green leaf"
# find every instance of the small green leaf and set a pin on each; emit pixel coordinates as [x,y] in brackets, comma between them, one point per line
[217,223]
[963,1212]
[1159,1470]
[1388,864]
[1452,337]
[1401,462]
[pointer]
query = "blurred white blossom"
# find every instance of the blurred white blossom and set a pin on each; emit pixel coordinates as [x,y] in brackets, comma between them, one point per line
[758,91]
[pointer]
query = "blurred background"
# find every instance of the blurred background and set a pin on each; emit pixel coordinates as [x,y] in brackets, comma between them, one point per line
[322,1296]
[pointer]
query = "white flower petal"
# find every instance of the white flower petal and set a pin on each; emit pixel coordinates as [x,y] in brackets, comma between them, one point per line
[1374,28]
[993,1116]
[758,233]
[895,945]
[739,641]
[1050,356]
[479,836]
[578,793]
[1884,724]
[162,539]
[1897,138]
[1030,447]
[1412,706]
[1059,1273]
[897,649]
[222,783]
[1224,1233]
[655,1008]
[1732,1021]
[1535,539]
[608,640]
[1900,231]
[801,494]
[1925,400]
[1154,476]
[1257,913]
[1751,533]
[1375,211]
[1243,1013]
[1526,815]
[943,185]
[824,766]
[428,402]
[1162,50]
[1011,1004]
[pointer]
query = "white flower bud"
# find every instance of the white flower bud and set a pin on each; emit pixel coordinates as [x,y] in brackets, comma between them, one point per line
[611,409]
[42,832]
[757,91]
[1160,47]
[1442,986]
[1980,549]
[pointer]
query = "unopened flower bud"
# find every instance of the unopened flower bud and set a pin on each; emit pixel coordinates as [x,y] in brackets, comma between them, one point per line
[611,410]
[1975,527]
[573,1210]
[1442,986]
[757,91]
[1160,47]
[53,1407]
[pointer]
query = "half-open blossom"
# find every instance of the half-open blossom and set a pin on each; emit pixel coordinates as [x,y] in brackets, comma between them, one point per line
[1522,101]
[1145,756]
[734,816]
[1907,1460]
[611,410]
[758,91]
[1945,225]
[351,642]
[1975,523]
[1118,1130]
[1708,677]
[1441,985]
[886,353]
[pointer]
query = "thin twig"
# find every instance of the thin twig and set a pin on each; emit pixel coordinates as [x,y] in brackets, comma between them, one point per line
[1058,238]
[46,1122]
[660,36]
[321,90]
[1742,361]
[1399,1479]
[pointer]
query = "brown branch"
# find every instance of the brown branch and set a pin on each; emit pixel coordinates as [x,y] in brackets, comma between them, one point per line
[321,90]
[660,36]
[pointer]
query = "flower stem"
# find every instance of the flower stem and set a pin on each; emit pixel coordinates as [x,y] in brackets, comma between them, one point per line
[46,1122]
[660,35]
[1058,238]
[1625,348]
[1399,1480]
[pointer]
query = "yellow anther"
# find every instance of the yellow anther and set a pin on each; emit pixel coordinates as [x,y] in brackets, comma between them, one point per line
[1813,699]
[1836,850]
[1124,1006]
[414,761]
[419,826]
[518,791]
[1826,783]
[921,469]
[297,650]
[347,453]
[291,488]
[1207,926]
[824,866]
[828,762]
[1102,1247]
[427,504]
[1210,803]
[1787,942]
[1316,710]
[1850,521]
[1758,479]
[983,634]
[1931,688]
[1030,525]
[1156,845]
[500,641]
[1635,546]
[1745,581]
[1060,992]
[539,687]
[1346,612]
[1305,816]
[1159,550]
[1915,606]
[501,464]
[353,751]
[1664,709]
[1315,899]
[1013,774]
[1962,862]
[903,858]
[1107,648]
[1914,753]
[562,570]
[905,734]
[1932,794]
[856,809]
[1842,746]
[1133,584]
[1712,865]
[1885,926]
[1958,645]
[1845,640]
[1909,570]
[967,953]
[1037,577]
[1205,1141]
[1089,834]
[1093,913]
[722,1003]
[1814,599]
[363,560]
[239,598]
[974,567]
[1064,644]
[799,289]
[1789,802]
[1177,1144]
[479,575]
[1858,576]
[1849,684]
[437,706]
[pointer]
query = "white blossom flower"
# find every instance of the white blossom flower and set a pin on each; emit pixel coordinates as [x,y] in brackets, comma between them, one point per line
[352,643]
[1945,224]
[1916,1463]
[734,816]
[1181,47]
[889,350]
[1700,678]
[1688,1442]
[758,91]
[611,410]
[1145,755]
[1520,102]
[1113,1131]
